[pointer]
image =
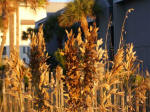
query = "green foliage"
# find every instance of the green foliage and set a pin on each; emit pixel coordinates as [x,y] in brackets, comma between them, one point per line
[41,2]
[97,9]
[26,80]
[28,34]
[138,79]
[133,82]
[2,67]
[75,11]
[51,28]
[52,62]
[60,58]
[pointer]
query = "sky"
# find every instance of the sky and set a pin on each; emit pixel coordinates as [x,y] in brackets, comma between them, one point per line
[59,0]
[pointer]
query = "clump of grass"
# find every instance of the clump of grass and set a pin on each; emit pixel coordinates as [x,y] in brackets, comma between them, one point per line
[40,71]
[89,82]
[16,71]
[88,70]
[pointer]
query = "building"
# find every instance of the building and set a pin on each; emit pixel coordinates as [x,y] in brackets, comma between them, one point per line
[26,19]
[137,26]
[52,8]
[29,18]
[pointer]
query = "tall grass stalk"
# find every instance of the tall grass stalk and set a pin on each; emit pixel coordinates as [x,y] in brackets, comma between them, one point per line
[40,71]
[16,71]
[88,81]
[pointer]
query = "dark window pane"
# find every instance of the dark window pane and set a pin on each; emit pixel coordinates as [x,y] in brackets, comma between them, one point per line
[24,49]
[28,49]
[4,51]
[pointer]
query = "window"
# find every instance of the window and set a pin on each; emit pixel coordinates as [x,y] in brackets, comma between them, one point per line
[4,51]
[24,35]
[24,50]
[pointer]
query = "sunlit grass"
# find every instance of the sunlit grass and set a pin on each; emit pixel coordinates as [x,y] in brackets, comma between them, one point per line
[88,81]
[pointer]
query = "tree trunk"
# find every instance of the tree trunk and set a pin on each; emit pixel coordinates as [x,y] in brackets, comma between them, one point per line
[84,25]
[4,31]
[11,33]
[17,30]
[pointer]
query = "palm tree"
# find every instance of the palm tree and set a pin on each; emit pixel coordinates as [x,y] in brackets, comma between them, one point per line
[77,11]
[7,7]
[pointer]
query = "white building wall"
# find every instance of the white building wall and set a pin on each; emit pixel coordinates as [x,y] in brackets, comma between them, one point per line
[25,13]
[30,14]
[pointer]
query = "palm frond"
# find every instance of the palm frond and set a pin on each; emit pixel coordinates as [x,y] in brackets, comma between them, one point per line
[75,10]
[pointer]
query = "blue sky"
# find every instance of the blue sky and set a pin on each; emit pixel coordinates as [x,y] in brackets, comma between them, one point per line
[59,0]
